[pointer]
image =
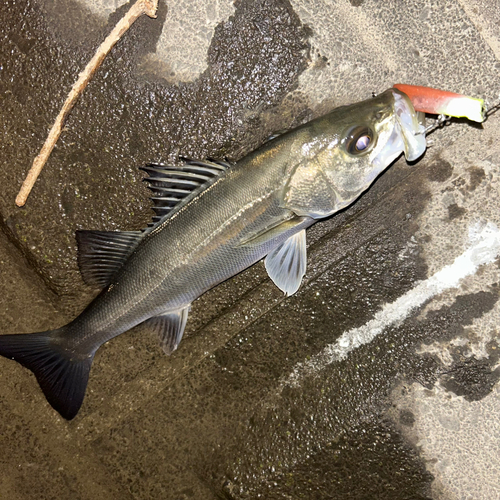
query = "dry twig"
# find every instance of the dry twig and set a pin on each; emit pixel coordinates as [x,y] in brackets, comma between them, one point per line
[141,7]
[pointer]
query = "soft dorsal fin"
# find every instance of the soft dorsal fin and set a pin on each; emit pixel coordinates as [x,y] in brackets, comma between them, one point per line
[102,253]
[286,264]
[174,186]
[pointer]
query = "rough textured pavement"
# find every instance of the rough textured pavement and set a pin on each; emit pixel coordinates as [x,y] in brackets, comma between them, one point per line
[378,379]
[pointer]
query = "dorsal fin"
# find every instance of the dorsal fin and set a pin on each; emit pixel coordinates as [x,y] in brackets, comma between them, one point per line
[174,186]
[102,253]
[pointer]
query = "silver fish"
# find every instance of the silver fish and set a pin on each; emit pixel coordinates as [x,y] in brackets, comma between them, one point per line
[213,221]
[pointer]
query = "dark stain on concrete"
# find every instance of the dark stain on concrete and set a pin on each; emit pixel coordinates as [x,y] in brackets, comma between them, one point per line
[459,183]
[354,470]
[440,170]
[454,211]
[407,418]
[324,421]
[71,23]
[357,3]
[465,309]
[477,175]
[471,378]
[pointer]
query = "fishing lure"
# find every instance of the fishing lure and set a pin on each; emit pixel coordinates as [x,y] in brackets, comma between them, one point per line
[442,102]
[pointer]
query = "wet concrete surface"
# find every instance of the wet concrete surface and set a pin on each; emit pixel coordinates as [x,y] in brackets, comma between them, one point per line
[247,407]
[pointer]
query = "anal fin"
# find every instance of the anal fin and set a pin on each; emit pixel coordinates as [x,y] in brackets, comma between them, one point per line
[169,327]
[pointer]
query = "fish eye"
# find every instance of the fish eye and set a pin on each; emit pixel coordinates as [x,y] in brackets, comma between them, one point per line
[359,140]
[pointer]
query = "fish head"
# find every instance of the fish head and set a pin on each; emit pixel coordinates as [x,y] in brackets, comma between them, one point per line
[341,154]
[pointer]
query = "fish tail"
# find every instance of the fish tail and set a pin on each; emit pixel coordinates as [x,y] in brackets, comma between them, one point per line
[61,373]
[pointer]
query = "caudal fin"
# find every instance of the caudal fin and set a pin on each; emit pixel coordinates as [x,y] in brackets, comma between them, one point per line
[62,375]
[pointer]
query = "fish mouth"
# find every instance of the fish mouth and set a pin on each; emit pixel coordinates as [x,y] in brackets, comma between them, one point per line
[408,134]
[412,130]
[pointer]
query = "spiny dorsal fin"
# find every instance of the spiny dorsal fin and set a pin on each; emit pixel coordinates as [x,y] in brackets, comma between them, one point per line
[174,186]
[102,253]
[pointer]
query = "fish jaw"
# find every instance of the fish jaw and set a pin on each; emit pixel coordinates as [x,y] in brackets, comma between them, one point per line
[408,136]
[411,128]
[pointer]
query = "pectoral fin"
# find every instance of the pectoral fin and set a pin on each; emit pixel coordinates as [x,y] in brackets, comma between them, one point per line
[286,264]
[278,231]
[169,328]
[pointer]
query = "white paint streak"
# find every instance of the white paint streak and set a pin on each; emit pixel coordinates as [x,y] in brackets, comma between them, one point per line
[485,247]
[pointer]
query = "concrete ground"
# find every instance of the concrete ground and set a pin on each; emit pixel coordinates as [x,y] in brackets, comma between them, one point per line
[378,379]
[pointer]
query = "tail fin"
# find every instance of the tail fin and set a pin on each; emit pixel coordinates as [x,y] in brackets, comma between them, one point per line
[62,375]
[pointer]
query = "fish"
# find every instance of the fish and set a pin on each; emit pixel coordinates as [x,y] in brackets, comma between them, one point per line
[213,220]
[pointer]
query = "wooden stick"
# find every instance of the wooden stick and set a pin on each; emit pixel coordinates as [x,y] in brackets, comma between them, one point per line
[141,7]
